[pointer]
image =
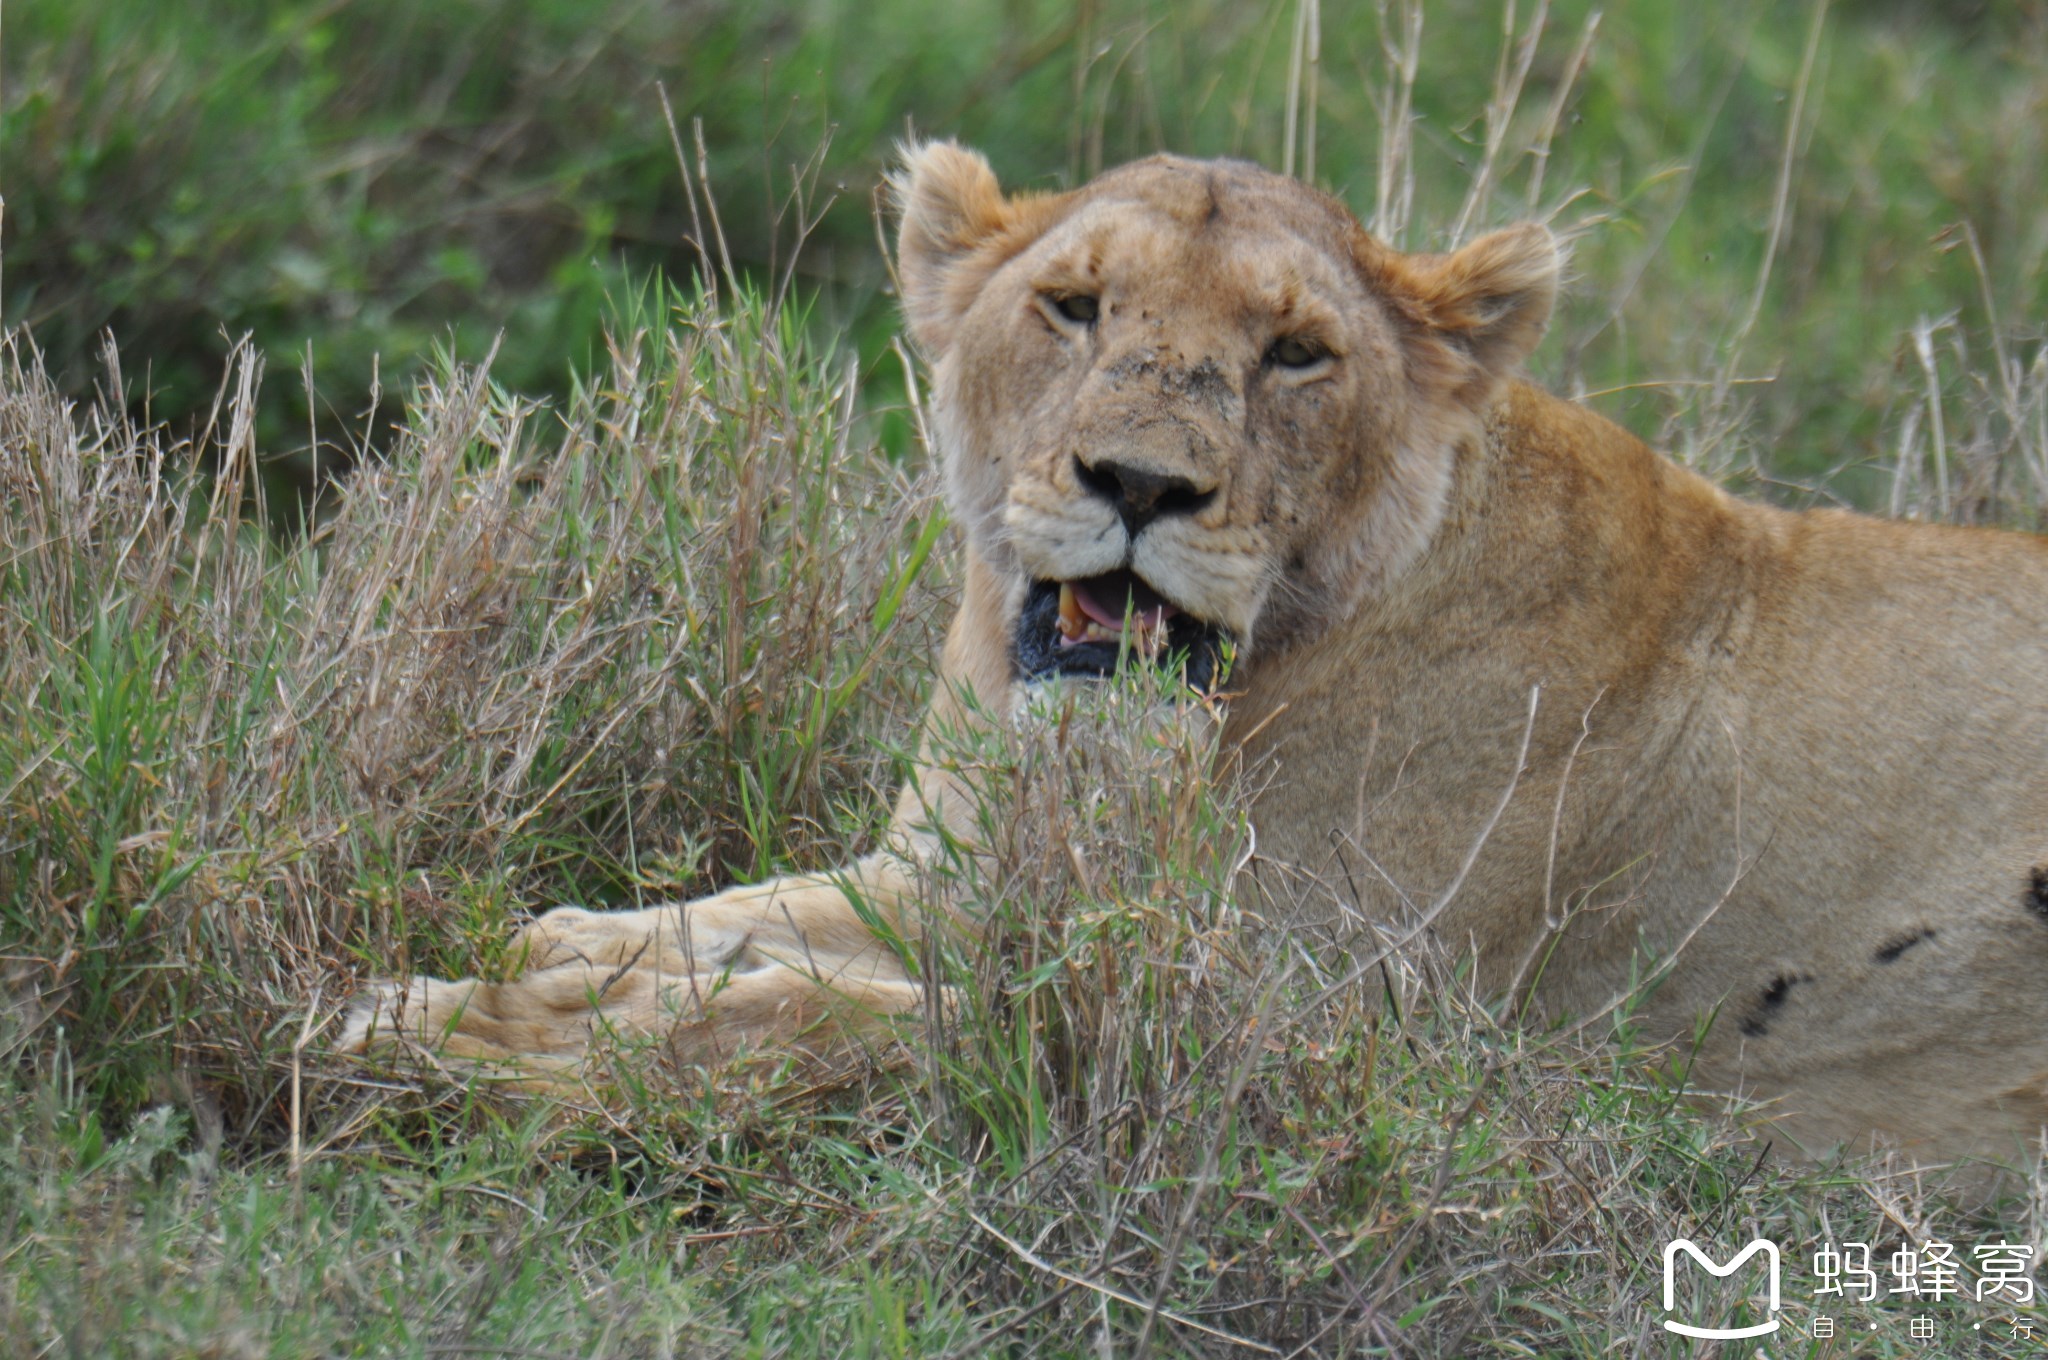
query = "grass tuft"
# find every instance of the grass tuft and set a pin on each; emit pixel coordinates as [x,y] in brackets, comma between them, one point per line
[527,657]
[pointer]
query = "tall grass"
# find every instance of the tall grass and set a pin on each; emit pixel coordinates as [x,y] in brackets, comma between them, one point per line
[528,657]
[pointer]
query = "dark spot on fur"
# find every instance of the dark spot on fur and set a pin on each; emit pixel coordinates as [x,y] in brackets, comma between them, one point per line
[1205,380]
[1132,366]
[2037,891]
[1890,951]
[1755,1024]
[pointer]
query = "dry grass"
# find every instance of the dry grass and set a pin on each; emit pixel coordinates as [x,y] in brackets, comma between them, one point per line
[526,658]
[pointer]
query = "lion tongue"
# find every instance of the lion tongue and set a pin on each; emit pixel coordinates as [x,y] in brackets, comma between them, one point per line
[1093,610]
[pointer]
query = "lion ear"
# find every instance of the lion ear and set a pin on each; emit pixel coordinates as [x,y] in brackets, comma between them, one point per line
[952,209]
[1491,300]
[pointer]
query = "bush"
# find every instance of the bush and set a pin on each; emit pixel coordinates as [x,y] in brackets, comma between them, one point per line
[356,180]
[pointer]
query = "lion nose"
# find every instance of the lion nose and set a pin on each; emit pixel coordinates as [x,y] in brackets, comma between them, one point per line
[1141,495]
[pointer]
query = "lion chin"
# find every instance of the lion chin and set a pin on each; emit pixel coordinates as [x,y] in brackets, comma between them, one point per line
[1589,718]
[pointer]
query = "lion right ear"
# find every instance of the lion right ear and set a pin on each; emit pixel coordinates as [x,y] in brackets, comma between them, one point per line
[956,225]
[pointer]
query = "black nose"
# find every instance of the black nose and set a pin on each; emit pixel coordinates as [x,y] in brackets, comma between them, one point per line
[1141,496]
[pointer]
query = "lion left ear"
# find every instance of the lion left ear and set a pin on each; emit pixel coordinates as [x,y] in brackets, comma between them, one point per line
[1491,300]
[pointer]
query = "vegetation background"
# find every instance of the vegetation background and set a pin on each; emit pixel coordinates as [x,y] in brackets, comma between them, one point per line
[620,586]
[360,183]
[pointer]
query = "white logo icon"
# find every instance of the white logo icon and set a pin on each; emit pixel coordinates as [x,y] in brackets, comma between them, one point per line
[1671,1251]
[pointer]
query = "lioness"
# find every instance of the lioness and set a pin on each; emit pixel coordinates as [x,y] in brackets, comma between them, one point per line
[1582,708]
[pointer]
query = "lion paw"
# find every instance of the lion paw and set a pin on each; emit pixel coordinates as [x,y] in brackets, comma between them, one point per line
[387,1011]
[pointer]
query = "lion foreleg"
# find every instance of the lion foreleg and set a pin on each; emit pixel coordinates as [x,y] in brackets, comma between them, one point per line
[795,962]
[784,919]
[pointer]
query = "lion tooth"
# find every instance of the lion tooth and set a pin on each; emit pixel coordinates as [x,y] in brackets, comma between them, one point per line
[1096,632]
[1073,619]
[1076,625]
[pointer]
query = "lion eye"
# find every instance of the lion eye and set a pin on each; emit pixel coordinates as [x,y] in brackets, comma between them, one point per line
[1295,352]
[1078,308]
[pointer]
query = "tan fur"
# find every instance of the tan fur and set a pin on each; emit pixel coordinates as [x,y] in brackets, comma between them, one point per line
[1801,758]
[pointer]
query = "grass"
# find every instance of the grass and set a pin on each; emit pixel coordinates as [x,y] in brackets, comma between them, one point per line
[351,182]
[669,626]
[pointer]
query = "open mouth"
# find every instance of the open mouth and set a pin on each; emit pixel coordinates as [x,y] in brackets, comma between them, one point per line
[1089,626]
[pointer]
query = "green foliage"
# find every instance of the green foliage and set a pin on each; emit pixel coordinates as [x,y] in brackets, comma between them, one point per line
[361,179]
[141,1245]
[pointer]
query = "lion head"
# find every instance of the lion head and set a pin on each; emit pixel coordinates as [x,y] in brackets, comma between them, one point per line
[1196,400]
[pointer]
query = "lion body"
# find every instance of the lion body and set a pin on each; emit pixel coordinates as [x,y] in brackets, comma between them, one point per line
[1811,749]
[1513,679]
